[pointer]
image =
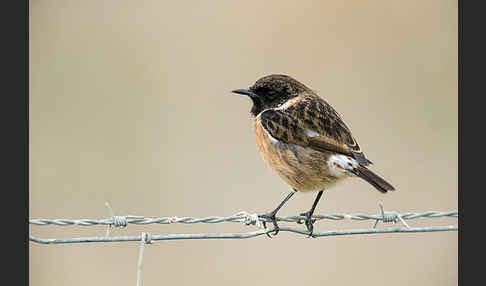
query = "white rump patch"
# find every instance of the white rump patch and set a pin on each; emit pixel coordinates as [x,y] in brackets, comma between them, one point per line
[340,165]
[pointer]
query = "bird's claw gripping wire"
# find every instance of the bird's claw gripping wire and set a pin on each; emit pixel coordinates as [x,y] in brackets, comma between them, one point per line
[309,222]
[270,216]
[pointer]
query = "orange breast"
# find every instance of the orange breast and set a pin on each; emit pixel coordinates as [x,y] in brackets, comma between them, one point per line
[262,140]
[302,168]
[269,150]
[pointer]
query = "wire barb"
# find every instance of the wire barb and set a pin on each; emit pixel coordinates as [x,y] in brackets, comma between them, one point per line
[392,216]
[141,220]
[117,221]
[240,217]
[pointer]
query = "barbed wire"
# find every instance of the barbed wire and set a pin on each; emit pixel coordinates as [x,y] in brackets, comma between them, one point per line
[234,218]
[241,217]
[140,220]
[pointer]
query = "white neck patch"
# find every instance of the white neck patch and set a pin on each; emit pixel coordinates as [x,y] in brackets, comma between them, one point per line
[287,104]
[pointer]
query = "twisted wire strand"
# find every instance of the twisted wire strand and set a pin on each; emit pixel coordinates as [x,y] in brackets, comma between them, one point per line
[241,217]
[140,220]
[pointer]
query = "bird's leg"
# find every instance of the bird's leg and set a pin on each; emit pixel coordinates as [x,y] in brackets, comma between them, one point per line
[271,215]
[309,222]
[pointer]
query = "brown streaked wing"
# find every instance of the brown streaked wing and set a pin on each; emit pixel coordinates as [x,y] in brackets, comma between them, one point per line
[320,117]
[287,129]
[314,114]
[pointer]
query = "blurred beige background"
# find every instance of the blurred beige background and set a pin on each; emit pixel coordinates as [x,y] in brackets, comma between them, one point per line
[130,104]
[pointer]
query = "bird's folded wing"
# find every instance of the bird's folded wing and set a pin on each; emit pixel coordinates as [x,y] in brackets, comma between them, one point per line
[319,128]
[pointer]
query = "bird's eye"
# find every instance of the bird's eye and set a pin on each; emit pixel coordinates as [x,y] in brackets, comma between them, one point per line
[267,93]
[271,94]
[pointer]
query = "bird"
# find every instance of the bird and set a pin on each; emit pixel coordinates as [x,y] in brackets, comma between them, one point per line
[305,141]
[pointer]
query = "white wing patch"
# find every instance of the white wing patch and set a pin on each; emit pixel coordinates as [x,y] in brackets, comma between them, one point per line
[311,133]
[340,165]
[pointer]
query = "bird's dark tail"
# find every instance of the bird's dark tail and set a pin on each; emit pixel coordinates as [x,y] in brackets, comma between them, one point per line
[370,177]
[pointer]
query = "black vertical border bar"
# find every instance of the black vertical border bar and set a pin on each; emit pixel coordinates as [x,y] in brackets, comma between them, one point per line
[14,118]
[25,64]
[460,129]
[471,58]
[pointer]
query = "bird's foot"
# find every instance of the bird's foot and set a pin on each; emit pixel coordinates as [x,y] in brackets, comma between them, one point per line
[270,216]
[309,222]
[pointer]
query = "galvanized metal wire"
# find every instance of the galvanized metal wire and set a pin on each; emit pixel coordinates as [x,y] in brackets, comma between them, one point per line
[140,220]
[241,217]
[234,218]
[243,235]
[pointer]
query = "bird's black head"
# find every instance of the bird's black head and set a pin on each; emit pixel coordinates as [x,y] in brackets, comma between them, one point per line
[272,91]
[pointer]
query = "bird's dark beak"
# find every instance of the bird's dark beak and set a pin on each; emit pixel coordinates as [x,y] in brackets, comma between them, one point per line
[245,91]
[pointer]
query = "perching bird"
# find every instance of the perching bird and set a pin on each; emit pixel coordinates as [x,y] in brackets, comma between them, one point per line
[304,140]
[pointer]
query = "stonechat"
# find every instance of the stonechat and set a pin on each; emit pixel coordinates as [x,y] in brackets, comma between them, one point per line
[304,140]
